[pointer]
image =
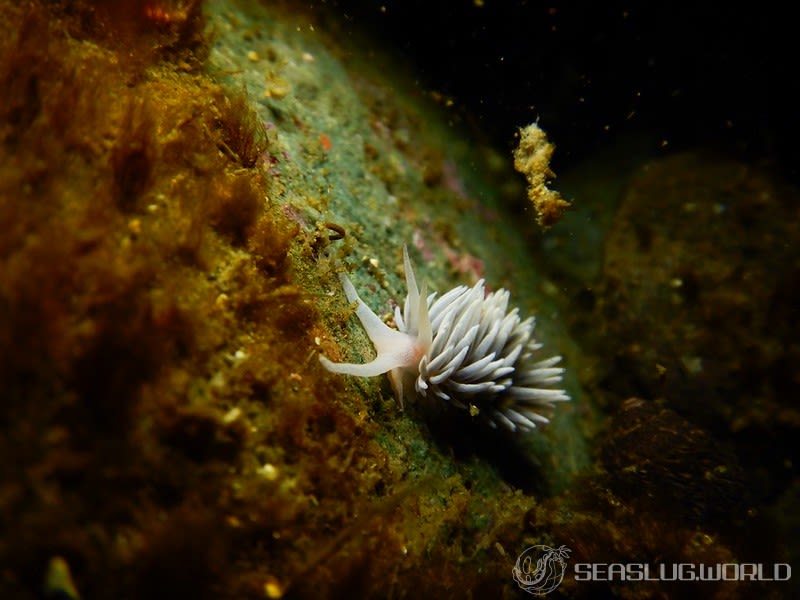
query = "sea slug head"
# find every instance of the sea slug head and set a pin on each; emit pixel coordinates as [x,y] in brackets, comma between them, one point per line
[399,352]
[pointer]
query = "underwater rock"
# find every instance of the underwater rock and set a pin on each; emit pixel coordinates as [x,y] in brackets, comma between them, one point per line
[179,184]
[664,492]
[659,460]
[696,303]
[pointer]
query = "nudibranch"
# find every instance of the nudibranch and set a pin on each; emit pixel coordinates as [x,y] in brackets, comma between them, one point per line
[465,348]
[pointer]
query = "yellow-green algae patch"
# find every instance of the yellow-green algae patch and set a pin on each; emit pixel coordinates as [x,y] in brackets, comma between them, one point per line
[170,237]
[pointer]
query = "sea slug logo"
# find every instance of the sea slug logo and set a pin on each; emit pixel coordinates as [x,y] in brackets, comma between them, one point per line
[540,569]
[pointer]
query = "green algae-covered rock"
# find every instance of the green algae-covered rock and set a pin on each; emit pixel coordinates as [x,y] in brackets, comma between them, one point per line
[355,146]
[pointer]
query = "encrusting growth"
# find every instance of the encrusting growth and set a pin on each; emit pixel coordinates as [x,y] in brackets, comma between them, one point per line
[465,348]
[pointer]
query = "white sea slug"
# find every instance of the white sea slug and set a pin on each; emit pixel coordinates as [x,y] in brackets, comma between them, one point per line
[465,348]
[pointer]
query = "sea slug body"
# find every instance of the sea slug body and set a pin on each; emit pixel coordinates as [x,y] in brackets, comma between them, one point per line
[465,348]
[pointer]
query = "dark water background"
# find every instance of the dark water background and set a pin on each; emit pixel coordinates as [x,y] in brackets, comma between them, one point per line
[716,75]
